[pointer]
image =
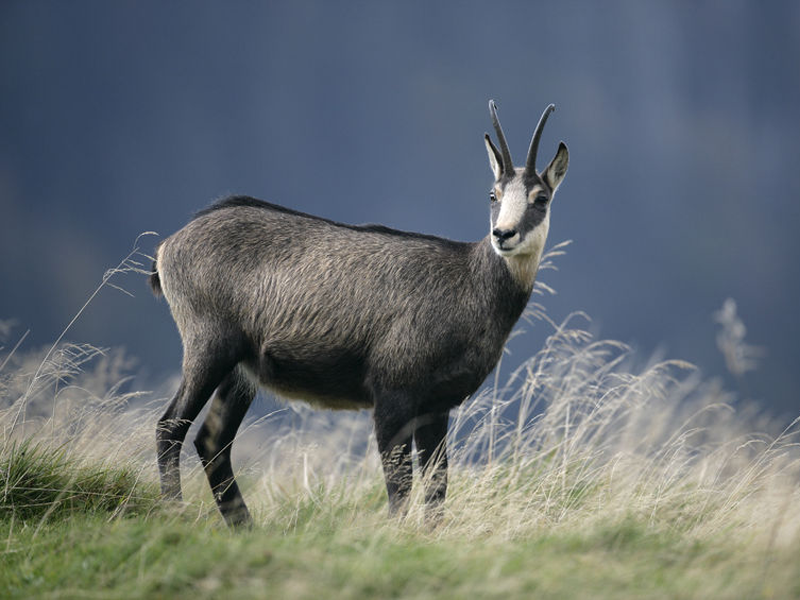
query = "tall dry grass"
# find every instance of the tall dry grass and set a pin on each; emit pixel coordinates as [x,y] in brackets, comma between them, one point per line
[584,434]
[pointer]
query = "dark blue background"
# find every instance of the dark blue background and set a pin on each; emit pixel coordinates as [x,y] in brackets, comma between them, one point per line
[683,122]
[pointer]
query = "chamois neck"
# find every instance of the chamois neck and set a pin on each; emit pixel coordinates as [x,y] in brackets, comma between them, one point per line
[519,271]
[502,297]
[523,269]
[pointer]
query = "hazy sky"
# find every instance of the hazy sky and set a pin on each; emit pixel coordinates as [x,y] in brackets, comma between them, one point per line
[682,119]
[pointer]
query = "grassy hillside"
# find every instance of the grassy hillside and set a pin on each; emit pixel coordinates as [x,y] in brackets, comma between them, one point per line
[587,475]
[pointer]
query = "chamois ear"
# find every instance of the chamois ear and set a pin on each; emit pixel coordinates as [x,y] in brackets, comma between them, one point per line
[555,171]
[495,159]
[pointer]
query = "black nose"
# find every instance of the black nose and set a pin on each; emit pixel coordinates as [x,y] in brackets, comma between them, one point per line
[503,234]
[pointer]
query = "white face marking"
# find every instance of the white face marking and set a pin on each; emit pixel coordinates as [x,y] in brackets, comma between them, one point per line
[522,251]
[513,205]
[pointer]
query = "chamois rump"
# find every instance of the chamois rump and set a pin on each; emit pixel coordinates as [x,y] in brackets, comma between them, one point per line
[346,316]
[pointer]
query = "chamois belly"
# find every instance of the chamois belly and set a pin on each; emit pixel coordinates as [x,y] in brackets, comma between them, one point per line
[335,377]
[333,380]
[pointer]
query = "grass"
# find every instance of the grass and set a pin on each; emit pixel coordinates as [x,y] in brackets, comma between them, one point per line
[182,556]
[42,483]
[587,475]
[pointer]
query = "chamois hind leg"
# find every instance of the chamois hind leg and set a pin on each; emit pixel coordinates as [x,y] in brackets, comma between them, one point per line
[430,436]
[202,373]
[394,426]
[214,442]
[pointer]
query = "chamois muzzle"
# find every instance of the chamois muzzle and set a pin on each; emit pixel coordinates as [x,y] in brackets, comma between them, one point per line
[505,240]
[503,234]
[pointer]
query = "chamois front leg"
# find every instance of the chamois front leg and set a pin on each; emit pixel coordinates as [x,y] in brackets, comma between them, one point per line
[394,426]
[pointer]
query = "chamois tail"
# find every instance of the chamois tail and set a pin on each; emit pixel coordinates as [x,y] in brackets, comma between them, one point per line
[155,281]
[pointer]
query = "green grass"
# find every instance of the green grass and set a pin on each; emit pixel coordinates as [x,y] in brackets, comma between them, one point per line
[584,477]
[40,483]
[354,552]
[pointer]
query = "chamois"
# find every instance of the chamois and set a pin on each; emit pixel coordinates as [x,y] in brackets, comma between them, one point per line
[346,316]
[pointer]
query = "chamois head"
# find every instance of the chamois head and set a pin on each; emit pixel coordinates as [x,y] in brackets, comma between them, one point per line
[520,198]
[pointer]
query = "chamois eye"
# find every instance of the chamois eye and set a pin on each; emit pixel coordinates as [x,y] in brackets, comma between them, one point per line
[492,196]
[541,201]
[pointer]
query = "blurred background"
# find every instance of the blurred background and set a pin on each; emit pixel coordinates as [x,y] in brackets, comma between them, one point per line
[682,119]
